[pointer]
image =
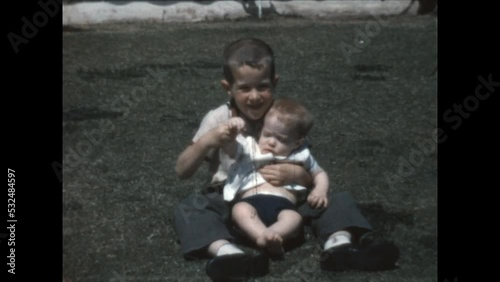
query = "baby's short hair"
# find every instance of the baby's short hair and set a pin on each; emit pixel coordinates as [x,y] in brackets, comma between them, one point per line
[293,114]
[247,51]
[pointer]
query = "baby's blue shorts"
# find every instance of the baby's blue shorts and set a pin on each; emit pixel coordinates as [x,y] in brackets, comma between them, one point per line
[269,206]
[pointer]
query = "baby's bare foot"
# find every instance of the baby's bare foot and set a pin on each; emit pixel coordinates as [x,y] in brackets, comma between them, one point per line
[271,241]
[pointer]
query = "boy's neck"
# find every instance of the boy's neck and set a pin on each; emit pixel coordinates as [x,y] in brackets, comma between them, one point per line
[253,126]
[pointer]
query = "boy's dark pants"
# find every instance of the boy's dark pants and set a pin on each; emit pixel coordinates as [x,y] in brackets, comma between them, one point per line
[201,219]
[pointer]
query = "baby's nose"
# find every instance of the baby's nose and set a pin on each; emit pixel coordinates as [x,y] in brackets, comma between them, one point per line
[272,141]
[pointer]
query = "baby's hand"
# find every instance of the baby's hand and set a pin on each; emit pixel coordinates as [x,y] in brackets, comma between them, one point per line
[317,200]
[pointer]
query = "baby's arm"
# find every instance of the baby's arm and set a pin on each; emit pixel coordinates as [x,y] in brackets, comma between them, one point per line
[318,196]
[191,158]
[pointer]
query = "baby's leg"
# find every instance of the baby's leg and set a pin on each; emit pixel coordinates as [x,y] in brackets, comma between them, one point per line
[245,216]
[247,219]
[288,224]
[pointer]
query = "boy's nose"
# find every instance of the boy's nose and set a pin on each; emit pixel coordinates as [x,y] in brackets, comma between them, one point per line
[254,95]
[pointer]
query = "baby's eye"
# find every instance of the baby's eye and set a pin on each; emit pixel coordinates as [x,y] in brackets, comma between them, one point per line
[282,139]
[244,88]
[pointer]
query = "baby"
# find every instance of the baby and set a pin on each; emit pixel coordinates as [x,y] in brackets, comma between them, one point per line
[267,213]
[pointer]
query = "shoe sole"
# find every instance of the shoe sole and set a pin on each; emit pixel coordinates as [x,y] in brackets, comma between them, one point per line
[377,256]
[336,260]
[374,257]
[237,267]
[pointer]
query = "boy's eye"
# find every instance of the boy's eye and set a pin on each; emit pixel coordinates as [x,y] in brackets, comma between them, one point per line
[244,88]
[263,87]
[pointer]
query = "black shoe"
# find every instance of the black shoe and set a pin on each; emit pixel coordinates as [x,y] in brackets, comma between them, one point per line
[237,267]
[373,256]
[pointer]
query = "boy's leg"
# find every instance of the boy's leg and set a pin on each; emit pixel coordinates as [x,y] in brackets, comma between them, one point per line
[200,223]
[201,214]
[341,214]
[340,222]
[223,247]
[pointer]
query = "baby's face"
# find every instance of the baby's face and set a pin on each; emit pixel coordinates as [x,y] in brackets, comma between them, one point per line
[276,138]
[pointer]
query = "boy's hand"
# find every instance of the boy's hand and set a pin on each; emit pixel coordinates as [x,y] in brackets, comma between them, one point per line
[236,125]
[227,132]
[276,174]
[285,174]
[317,199]
[191,158]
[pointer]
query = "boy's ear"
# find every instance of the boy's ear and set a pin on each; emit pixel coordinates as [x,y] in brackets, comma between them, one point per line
[225,85]
[276,79]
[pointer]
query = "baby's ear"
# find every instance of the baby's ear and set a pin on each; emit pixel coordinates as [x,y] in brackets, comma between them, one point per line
[299,143]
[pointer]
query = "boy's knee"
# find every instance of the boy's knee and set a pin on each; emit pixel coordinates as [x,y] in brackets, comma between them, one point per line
[343,197]
[340,194]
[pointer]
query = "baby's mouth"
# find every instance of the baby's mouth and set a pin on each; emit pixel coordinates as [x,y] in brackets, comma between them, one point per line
[266,151]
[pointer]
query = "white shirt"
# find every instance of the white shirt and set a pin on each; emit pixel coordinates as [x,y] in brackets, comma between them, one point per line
[243,174]
[219,161]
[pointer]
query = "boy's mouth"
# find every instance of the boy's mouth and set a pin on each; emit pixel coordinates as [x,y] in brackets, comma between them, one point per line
[254,107]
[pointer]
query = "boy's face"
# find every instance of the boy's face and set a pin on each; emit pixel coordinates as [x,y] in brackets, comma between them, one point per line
[277,138]
[252,90]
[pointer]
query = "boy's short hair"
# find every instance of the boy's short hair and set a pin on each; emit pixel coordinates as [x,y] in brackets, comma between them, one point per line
[293,115]
[247,51]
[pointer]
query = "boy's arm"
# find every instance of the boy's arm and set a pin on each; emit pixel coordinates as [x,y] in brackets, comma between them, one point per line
[318,197]
[192,157]
[286,174]
[232,149]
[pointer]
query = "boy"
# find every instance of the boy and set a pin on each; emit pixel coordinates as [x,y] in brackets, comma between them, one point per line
[286,126]
[201,221]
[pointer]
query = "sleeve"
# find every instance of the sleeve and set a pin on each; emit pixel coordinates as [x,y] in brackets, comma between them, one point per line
[306,158]
[312,165]
[213,119]
[209,122]
[206,125]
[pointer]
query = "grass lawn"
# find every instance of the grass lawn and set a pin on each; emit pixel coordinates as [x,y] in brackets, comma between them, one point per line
[134,94]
